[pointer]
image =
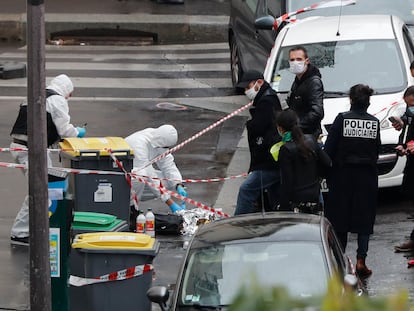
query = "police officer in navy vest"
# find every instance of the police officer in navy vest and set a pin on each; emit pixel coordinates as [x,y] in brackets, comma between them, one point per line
[353,144]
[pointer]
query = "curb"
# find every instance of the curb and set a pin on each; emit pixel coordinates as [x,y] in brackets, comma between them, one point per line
[169,28]
[227,197]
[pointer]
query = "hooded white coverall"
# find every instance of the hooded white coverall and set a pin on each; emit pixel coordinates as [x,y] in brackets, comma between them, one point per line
[58,107]
[148,144]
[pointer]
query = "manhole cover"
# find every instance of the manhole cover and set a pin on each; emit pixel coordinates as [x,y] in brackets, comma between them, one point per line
[171,106]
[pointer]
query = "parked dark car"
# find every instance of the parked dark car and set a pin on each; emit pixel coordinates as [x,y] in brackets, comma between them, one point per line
[297,251]
[250,46]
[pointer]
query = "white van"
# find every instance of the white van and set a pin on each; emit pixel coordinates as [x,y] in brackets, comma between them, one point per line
[371,49]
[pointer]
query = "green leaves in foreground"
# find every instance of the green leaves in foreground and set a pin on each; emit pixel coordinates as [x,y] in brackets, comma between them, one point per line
[257,298]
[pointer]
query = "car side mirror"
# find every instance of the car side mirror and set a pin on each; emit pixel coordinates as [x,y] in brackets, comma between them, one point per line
[264,22]
[159,295]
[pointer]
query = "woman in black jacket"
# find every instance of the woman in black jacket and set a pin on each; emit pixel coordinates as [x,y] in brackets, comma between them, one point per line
[353,144]
[301,163]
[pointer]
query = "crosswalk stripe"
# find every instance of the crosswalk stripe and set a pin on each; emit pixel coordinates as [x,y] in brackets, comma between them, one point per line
[134,72]
[126,83]
[107,57]
[135,67]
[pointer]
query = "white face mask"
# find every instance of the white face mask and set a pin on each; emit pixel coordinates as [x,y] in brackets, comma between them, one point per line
[297,67]
[251,93]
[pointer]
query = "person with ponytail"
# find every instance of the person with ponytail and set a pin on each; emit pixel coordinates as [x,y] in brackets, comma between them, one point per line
[301,162]
[353,144]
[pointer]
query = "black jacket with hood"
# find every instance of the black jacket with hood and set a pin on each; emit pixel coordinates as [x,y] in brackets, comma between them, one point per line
[306,99]
[261,129]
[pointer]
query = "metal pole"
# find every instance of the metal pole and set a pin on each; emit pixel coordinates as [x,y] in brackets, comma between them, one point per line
[40,283]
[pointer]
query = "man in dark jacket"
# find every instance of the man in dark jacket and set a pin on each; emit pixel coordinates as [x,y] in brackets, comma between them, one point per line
[306,94]
[262,135]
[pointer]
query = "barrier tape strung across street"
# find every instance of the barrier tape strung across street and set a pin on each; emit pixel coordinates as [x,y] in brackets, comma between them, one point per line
[320,5]
[385,108]
[127,178]
[139,178]
[120,275]
[195,136]
[128,175]
[96,172]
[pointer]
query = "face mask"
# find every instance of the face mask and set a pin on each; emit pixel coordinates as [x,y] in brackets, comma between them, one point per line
[410,111]
[297,67]
[251,93]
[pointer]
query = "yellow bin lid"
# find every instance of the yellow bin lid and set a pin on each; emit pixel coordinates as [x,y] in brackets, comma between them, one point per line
[75,145]
[113,240]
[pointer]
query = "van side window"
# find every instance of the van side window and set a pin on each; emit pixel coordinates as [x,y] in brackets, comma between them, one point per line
[252,5]
[408,43]
[275,8]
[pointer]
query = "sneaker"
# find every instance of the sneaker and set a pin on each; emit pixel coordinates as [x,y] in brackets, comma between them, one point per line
[405,247]
[19,241]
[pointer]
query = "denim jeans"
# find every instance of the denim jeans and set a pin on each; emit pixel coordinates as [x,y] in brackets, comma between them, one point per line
[363,241]
[252,187]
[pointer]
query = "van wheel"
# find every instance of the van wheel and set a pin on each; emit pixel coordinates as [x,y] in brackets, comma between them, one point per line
[235,64]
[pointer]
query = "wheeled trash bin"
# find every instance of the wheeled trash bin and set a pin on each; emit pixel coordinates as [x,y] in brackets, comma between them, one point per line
[99,192]
[116,271]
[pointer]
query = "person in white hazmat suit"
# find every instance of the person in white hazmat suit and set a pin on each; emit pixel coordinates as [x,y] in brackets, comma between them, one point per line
[58,126]
[148,144]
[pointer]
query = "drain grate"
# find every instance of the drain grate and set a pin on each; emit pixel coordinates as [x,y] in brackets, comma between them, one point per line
[103,37]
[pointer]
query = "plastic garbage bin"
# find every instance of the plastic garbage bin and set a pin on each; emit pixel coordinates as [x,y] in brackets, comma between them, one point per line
[117,270]
[87,222]
[102,193]
[60,217]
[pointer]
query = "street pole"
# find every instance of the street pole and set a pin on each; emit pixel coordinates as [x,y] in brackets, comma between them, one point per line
[40,283]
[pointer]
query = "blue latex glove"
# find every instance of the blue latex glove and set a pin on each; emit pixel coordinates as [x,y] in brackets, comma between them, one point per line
[81,132]
[175,207]
[181,191]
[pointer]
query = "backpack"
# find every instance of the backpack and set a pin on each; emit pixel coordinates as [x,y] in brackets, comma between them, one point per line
[171,224]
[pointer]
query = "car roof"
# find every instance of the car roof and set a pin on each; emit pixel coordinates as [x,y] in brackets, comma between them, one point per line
[349,27]
[251,228]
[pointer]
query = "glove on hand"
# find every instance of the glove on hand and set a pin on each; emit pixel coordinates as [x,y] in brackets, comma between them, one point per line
[181,191]
[175,207]
[81,132]
[165,197]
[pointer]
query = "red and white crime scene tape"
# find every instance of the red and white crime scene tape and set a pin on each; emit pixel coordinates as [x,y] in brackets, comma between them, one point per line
[120,275]
[180,197]
[127,178]
[315,6]
[197,135]
[129,175]
[142,179]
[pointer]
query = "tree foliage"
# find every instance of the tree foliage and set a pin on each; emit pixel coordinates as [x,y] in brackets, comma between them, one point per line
[259,298]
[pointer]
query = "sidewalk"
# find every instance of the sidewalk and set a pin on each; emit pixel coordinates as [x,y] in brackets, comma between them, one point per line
[193,21]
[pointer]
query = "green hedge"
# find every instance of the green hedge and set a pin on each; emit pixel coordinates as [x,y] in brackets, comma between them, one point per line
[257,298]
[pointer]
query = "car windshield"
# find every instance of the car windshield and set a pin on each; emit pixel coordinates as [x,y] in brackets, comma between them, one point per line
[213,276]
[377,63]
[402,8]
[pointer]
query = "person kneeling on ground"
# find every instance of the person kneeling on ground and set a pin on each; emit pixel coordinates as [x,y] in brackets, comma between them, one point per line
[147,145]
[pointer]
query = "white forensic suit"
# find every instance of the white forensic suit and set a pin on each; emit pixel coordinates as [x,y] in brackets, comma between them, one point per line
[57,106]
[148,144]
